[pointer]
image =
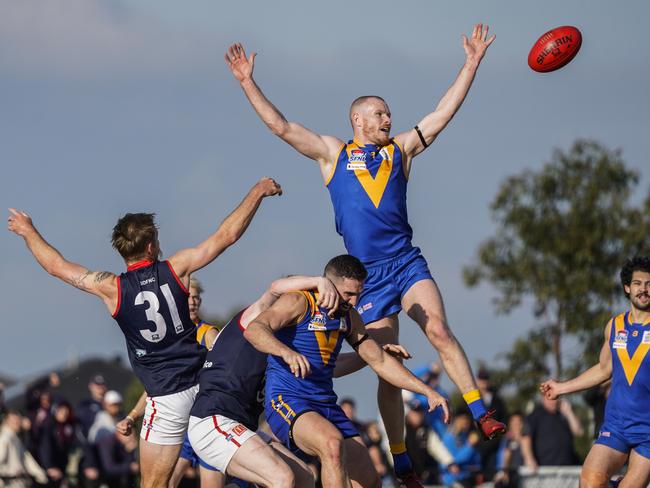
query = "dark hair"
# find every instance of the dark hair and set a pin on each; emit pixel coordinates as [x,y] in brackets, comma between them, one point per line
[346,266]
[637,263]
[133,233]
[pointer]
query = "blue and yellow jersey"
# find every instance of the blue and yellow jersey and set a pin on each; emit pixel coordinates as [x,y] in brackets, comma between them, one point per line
[319,339]
[201,329]
[368,192]
[626,408]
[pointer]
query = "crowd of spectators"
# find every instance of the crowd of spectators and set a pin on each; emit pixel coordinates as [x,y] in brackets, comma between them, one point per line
[55,444]
[454,455]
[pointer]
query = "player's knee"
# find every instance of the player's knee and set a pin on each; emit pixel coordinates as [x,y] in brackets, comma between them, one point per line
[333,450]
[282,477]
[590,478]
[439,333]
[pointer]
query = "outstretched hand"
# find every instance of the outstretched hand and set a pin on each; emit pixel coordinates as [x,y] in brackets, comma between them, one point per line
[436,400]
[397,351]
[268,187]
[19,222]
[476,46]
[240,65]
[550,389]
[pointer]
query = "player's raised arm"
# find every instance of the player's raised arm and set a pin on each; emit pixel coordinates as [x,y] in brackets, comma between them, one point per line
[388,368]
[418,139]
[317,147]
[187,261]
[100,283]
[285,312]
[597,374]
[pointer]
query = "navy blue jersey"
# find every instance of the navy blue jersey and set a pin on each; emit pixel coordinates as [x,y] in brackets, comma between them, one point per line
[232,379]
[154,316]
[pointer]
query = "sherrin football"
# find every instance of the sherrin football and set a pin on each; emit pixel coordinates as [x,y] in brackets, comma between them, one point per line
[555,49]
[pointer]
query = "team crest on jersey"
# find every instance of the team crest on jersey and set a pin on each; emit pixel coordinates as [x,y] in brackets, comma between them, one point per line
[140,352]
[318,322]
[620,340]
[384,154]
[357,156]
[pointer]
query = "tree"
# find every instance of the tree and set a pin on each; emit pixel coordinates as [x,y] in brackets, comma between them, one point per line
[563,233]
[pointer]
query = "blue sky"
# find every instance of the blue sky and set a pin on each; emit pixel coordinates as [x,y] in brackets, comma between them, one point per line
[112,106]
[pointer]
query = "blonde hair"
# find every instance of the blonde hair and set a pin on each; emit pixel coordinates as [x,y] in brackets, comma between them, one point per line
[196,284]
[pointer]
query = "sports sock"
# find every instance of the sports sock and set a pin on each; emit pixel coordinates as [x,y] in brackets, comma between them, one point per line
[475,403]
[401,460]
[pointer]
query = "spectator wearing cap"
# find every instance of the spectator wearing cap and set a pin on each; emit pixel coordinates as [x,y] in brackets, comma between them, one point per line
[489,449]
[87,410]
[17,466]
[89,407]
[107,418]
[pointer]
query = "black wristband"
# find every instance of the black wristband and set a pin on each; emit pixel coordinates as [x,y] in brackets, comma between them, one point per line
[424,143]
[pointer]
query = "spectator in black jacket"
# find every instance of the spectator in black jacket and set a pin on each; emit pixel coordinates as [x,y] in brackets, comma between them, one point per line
[118,460]
[85,413]
[57,441]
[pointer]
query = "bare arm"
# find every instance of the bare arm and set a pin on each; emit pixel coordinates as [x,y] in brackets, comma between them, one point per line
[350,362]
[187,261]
[597,374]
[125,426]
[285,312]
[431,125]
[314,146]
[99,283]
[527,452]
[388,368]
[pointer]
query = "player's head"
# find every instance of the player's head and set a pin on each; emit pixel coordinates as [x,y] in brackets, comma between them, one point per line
[194,299]
[370,119]
[347,274]
[135,237]
[635,278]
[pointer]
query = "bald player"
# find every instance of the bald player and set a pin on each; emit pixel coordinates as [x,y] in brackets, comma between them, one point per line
[367,179]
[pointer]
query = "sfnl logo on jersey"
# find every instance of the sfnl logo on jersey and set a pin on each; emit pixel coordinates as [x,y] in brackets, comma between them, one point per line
[620,340]
[318,322]
[357,159]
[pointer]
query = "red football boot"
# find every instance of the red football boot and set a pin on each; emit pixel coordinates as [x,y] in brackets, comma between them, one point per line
[490,427]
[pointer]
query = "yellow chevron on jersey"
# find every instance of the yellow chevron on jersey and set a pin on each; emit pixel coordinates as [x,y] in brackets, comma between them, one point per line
[630,364]
[368,191]
[376,186]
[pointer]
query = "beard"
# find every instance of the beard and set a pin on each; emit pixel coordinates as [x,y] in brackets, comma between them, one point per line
[639,305]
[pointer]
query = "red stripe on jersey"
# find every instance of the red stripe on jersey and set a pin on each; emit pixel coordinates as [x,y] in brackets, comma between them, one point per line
[119,296]
[241,315]
[216,426]
[180,283]
[153,414]
[140,264]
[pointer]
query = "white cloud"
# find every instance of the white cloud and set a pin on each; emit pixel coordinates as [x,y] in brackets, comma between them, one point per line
[88,39]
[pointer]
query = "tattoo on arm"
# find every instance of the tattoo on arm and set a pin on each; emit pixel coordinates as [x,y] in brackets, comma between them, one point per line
[78,281]
[102,275]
